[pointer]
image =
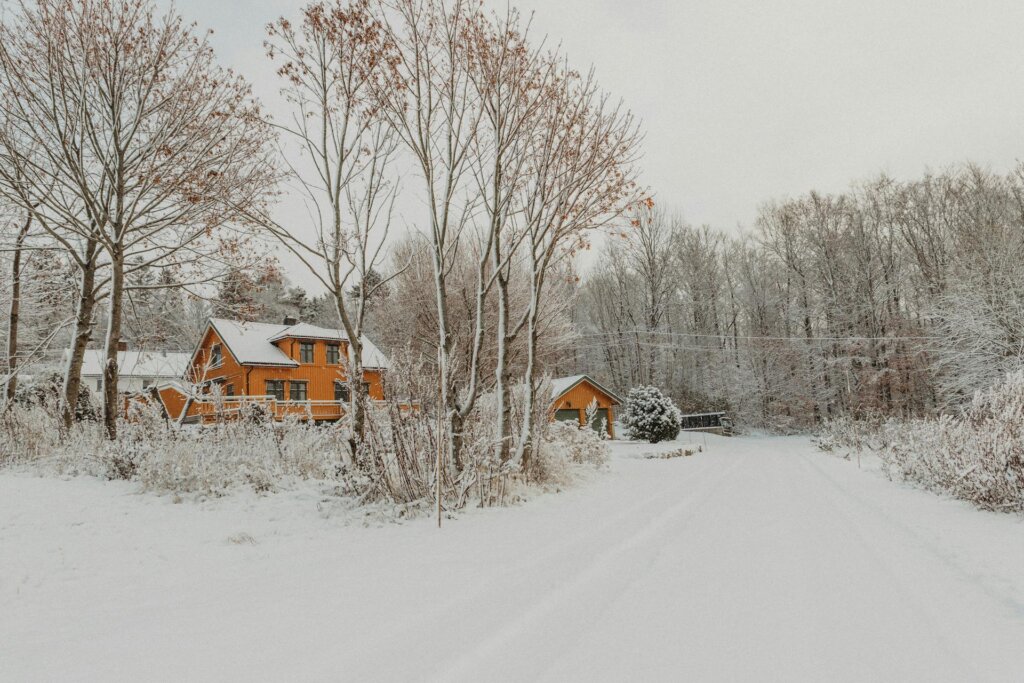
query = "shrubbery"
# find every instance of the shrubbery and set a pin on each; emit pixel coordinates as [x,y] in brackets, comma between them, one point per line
[394,464]
[977,455]
[565,445]
[651,416]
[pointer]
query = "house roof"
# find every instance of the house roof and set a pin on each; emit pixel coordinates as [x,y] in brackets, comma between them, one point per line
[250,343]
[253,343]
[307,331]
[150,364]
[562,385]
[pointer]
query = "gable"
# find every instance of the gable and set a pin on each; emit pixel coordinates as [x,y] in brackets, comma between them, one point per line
[249,343]
[564,385]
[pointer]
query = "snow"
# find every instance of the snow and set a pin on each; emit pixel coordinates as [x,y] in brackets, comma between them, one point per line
[143,364]
[560,385]
[757,559]
[252,343]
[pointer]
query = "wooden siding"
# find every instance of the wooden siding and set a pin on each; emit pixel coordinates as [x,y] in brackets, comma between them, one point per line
[251,380]
[579,398]
[173,400]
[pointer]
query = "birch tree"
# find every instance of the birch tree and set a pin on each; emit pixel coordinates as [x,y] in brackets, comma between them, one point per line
[435,114]
[333,62]
[511,77]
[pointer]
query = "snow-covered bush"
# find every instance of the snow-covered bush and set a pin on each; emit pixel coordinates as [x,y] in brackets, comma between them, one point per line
[563,449]
[651,416]
[47,392]
[844,434]
[977,455]
[210,460]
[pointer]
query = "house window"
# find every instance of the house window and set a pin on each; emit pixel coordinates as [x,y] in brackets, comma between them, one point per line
[297,391]
[275,389]
[341,392]
[216,356]
[333,354]
[229,390]
[306,352]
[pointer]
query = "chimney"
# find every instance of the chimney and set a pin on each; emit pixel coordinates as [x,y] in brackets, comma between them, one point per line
[122,345]
[289,320]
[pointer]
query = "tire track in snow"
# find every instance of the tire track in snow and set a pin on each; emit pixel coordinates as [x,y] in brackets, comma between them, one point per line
[975,661]
[603,580]
[1006,601]
[531,572]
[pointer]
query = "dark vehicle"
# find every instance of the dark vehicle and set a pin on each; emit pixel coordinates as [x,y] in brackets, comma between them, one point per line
[712,423]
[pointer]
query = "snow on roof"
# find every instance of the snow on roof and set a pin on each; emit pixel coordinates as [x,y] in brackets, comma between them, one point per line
[156,364]
[374,357]
[253,343]
[560,385]
[250,343]
[307,331]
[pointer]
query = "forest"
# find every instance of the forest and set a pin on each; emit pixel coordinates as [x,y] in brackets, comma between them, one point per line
[896,298]
[145,189]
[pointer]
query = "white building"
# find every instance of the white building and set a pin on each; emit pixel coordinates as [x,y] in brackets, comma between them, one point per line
[138,369]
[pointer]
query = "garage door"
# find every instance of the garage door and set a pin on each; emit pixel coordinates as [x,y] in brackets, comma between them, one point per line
[568,415]
[600,423]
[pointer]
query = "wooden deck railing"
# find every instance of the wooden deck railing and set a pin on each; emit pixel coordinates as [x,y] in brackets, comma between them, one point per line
[226,407]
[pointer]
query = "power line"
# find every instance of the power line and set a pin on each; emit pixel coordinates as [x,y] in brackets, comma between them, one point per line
[727,337]
[595,346]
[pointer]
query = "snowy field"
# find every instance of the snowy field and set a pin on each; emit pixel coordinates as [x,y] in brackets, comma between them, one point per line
[759,559]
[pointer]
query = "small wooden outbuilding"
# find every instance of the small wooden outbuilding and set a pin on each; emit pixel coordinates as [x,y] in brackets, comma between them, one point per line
[572,396]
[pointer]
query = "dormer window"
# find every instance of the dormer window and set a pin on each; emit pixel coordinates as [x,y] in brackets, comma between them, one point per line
[216,356]
[306,352]
[333,354]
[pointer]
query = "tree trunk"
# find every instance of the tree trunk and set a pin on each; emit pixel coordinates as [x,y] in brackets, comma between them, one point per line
[12,319]
[528,429]
[111,407]
[358,395]
[444,341]
[501,377]
[83,331]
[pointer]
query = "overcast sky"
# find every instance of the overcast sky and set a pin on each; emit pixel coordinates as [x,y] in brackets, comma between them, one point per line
[753,100]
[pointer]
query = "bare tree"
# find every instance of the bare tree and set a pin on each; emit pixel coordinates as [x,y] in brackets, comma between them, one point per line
[511,78]
[334,62]
[582,176]
[648,252]
[130,137]
[14,311]
[435,113]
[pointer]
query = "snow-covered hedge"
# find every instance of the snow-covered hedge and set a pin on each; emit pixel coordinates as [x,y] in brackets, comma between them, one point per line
[977,455]
[393,465]
[651,416]
[168,459]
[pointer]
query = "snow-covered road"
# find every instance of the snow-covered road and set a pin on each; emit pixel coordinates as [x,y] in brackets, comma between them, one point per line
[759,559]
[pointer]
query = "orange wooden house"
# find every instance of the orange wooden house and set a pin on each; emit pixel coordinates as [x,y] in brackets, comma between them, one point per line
[572,396]
[289,369]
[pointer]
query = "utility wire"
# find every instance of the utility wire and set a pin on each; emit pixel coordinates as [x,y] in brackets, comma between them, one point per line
[727,337]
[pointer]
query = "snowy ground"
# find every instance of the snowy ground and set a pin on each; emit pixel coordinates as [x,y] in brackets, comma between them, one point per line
[759,559]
